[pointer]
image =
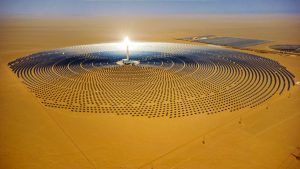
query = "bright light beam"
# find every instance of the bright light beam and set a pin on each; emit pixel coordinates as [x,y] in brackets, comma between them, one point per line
[126,43]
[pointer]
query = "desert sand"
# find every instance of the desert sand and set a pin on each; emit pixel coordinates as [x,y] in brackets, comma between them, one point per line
[33,136]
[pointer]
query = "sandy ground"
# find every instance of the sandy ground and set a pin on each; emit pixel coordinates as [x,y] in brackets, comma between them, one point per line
[32,136]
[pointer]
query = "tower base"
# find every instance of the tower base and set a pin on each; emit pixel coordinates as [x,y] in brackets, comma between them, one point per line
[128,62]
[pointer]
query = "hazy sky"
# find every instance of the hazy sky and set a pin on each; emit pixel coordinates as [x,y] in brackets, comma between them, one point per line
[145,7]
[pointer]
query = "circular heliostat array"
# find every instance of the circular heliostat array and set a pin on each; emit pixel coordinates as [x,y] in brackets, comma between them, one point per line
[171,80]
